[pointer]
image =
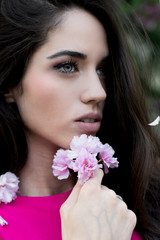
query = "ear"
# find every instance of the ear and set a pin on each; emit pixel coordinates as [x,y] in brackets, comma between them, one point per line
[9,97]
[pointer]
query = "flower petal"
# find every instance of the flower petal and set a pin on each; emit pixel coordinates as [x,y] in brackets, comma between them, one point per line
[8,187]
[155,122]
[82,158]
[3,222]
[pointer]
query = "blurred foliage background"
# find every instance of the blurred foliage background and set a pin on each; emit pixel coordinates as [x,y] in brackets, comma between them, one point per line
[145,15]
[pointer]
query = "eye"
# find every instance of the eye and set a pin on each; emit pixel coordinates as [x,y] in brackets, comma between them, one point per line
[67,67]
[101,71]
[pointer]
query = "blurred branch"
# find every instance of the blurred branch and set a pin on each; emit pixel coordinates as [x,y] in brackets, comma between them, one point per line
[145,15]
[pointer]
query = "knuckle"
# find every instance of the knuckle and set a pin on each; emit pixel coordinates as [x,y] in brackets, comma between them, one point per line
[132,217]
[63,209]
[123,205]
[111,193]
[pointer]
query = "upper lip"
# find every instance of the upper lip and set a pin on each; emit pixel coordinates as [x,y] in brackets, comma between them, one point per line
[95,116]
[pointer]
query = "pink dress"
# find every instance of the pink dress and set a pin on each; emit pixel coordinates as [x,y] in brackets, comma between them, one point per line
[35,218]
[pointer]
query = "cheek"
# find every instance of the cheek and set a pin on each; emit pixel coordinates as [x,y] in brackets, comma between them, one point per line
[44,95]
[36,97]
[40,87]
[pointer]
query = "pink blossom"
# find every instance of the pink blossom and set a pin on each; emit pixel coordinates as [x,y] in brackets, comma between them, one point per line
[107,157]
[85,164]
[90,143]
[61,164]
[8,187]
[82,158]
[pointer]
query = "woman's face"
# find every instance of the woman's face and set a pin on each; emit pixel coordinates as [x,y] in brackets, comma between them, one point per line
[64,84]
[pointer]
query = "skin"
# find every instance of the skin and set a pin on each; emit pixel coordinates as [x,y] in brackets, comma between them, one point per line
[52,99]
[106,216]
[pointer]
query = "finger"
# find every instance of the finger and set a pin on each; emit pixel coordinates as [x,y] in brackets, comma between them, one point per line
[97,178]
[72,199]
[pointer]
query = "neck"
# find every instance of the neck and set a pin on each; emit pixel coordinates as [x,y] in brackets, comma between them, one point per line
[35,181]
[36,178]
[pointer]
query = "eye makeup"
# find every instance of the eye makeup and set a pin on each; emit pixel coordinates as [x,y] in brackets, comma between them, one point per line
[67,67]
[70,65]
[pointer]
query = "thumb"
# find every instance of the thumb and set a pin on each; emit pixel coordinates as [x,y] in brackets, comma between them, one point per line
[97,178]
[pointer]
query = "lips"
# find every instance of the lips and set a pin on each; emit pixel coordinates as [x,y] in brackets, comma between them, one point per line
[88,120]
[90,117]
[89,123]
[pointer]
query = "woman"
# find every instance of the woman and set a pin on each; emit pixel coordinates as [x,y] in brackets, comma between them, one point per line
[64,65]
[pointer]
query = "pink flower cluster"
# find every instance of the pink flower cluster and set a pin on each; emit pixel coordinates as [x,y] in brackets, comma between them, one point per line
[84,156]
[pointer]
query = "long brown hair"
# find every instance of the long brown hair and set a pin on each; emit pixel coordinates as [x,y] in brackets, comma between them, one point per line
[23,28]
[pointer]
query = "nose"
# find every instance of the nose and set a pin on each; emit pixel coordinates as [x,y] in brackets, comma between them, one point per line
[94,90]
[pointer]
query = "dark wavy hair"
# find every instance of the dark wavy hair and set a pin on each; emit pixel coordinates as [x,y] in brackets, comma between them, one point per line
[24,25]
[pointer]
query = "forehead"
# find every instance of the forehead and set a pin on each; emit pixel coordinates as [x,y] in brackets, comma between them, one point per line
[79,31]
[78,27]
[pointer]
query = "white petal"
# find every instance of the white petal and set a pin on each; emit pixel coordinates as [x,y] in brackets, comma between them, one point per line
[9,187]
[3,222]
[155,122]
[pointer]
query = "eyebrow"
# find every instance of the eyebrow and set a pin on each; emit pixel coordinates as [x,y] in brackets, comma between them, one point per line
[68,53]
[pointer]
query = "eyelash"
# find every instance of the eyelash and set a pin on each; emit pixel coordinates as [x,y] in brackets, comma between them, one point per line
[61,67]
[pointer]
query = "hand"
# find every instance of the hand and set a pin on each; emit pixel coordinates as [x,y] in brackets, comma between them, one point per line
[93,212]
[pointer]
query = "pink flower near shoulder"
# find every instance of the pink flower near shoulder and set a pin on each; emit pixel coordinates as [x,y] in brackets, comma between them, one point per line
[85,164]
[8,187]
[61,164]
